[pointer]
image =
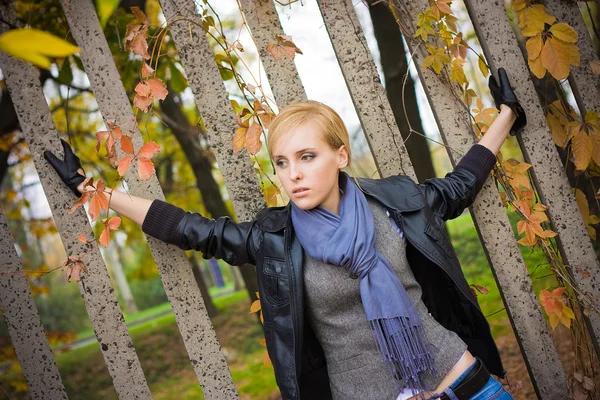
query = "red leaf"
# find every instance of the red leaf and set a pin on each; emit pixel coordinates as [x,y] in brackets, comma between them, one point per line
[98,202]
[124,164]
[74,266]
[127,144]
[146,70]
[145,168]
[148,150]
[157,88]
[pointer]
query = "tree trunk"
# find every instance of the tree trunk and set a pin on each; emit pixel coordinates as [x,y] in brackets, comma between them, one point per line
[201,164]
[395,66]
[208,303]
[120,278]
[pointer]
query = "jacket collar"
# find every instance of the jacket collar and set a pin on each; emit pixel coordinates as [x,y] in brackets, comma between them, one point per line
[397,193]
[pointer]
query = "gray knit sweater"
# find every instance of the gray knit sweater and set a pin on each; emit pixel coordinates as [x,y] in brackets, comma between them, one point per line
[336,313]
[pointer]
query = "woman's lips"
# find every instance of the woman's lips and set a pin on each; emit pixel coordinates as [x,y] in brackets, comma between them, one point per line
[300,192]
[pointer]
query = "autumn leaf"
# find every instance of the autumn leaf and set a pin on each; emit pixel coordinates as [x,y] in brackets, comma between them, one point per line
[440,7]
[253,142]
[457,73]
[483,66]
[283,47]
[74,266]
[146,70]
[147,90]
[555,308]
[271,195]
[478,289]
[595,66]
[157,88]
[436,59]
[148,150]
[582,150]
[145,168]
[255,307]
[135,37]
[558,56]
[517,173]
[459,47]
[239,140]
[584,209]
[563,32]
[111,224]
[124,164]
[81,237]
[35,46]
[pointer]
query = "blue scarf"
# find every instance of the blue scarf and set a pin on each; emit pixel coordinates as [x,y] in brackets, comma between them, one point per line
[348,240]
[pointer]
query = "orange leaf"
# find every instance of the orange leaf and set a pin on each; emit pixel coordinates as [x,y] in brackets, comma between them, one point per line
[537,67]
[146,70]
[127,144]
[81,201]
[104,237]
[74,268]
[82,238]
[98,202]
[239,140]
[124,164]
[253,143]
[143,89]
[148,150]
[255,307]
[141,102]
[139,14]
[283,47]
[145,168]
[157,88]
[114,223]
[557,130]
[135,40]
[99,137]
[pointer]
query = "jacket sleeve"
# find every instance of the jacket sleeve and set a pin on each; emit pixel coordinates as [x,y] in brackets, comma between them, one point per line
[449,196]
[235,243]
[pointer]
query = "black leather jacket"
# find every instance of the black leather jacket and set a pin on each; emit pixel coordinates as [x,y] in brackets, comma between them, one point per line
[269,243]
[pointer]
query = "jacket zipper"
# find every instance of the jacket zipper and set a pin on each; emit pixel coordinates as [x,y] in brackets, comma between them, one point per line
[297,354]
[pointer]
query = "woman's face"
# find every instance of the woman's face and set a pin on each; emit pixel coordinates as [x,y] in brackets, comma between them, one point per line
[308,167]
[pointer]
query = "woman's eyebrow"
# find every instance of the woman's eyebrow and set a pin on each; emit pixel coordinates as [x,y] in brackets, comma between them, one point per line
[298,152]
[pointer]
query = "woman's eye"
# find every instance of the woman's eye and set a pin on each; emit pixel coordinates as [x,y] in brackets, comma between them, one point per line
[280,163]
[306,157]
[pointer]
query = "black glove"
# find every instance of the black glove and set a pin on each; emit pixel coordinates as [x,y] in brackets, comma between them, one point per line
[503,94]
[67,168]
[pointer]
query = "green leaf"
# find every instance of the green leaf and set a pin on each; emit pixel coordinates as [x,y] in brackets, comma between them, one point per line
[35,46]
[65,75]
[178,81]
[106,8]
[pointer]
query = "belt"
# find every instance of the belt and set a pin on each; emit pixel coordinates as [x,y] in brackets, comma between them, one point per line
[472,383]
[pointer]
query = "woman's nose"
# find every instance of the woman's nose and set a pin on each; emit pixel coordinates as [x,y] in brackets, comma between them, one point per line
[295,173]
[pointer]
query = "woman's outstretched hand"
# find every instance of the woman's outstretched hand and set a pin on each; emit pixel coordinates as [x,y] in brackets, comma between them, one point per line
[68,168]
[503,94]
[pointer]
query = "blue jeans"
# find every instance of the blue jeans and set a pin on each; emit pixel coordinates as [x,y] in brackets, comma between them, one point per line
[493,390]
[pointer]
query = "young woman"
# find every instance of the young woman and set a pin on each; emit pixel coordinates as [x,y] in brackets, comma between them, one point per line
[362,294]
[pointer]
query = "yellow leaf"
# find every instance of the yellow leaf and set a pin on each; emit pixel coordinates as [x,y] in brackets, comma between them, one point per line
[534,47]
[595,135]
[556,57]
[557,130]
[563,32]
[554,320]
[255,306]
[483,66]
[537,67]
[35,46]
[582,150]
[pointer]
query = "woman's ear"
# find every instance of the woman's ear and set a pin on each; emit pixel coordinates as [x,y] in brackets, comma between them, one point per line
[342,157]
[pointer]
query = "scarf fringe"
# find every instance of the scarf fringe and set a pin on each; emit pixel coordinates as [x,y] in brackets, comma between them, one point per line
[405,350]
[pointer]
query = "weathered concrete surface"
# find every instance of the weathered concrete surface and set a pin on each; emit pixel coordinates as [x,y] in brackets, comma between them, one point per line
[24,325]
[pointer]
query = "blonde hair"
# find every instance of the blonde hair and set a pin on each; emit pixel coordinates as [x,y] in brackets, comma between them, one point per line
[292,116]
